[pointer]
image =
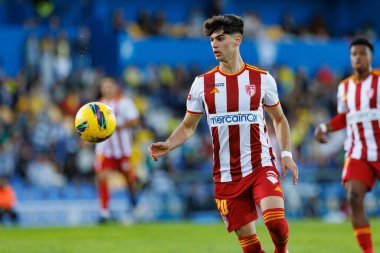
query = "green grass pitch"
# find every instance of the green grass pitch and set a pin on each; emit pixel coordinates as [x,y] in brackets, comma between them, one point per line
[306,236]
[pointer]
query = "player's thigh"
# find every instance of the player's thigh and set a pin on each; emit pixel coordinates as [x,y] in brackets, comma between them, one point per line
[271,202]
[237,212]
[358,170]
[104,167]
[266,190]
[124,167]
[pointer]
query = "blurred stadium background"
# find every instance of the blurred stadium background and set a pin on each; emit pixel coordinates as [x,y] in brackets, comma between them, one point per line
[52,53]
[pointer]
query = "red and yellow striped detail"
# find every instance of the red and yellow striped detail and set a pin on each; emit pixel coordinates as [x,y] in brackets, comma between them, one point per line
[248,240]
[273,215]
[234,74]
[256,69]
[346,79]
[362,231]
[375,72]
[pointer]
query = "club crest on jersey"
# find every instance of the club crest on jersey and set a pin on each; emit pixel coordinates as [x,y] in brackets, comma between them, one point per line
[189,96]
[250,89]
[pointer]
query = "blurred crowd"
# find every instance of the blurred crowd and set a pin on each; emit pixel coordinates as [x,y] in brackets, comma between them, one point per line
[38,143]
[154,21]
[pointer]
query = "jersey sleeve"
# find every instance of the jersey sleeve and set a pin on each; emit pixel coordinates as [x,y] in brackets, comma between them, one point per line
[341,103]
[194,101]
[128,111]
[271,95]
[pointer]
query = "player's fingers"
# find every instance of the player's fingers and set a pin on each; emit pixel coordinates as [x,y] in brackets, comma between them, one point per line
[283,168]
[322,138]
[295,175]
[151,153]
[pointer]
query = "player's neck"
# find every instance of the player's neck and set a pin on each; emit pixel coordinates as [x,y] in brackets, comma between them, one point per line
[361,75]
[233,66]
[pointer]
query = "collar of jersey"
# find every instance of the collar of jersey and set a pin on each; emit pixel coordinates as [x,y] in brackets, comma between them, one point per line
[235,74]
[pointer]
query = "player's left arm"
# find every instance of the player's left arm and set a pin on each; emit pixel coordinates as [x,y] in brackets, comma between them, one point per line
[282,130]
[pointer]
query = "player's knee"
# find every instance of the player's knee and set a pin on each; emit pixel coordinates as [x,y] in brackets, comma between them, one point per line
[354,200]
[103,175]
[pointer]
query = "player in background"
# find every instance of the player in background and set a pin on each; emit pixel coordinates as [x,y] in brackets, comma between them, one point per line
[115,152]
[7,202]
[358,111]
[233,96]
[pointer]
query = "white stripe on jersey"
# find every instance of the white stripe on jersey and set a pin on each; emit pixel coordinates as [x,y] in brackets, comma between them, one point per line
[224,153]
[367,125]
[351,102]
[265,155]
[245,143]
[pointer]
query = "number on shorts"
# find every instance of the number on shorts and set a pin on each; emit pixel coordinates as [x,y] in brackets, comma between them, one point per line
[222,206]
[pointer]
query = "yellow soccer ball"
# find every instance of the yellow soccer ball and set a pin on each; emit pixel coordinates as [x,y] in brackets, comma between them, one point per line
[95,122]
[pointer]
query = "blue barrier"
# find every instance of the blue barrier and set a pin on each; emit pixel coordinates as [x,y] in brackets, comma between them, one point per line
[309,53]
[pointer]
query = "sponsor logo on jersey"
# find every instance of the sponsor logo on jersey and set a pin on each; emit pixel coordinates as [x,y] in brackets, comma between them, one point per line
[214,85]
[365,115]
[234,118]
[278,189]
[250,89]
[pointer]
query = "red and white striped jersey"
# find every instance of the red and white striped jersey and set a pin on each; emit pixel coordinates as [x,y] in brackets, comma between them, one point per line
[361,103]
[234,108]
[120,143]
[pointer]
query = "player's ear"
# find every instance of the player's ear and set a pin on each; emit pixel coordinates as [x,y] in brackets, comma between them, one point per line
[238,39]
[371,57]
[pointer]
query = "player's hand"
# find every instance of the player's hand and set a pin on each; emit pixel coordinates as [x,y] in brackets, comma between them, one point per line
[288,163]
[320,135]
[158,149]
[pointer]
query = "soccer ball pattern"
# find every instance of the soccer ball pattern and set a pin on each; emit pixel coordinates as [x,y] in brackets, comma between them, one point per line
[95,122]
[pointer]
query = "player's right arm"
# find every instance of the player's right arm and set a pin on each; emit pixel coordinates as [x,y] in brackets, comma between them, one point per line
[338,122]
[335,124]
[179,136]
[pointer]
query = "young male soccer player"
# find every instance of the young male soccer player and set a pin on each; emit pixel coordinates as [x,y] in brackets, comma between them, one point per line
[115,152]
[233,96]
[359,112]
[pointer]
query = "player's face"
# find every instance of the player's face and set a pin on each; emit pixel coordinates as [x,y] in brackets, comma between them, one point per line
[361,57]
[222,45]
[108,88]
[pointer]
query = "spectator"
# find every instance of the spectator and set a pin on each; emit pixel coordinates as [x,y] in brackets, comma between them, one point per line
[63,62]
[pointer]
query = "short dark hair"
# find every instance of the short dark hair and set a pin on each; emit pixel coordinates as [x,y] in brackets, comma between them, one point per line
[362,41]
[229,23]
